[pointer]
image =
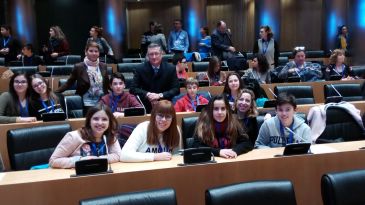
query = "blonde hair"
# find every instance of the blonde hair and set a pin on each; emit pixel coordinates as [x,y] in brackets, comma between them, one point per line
[335,54]
[252,112]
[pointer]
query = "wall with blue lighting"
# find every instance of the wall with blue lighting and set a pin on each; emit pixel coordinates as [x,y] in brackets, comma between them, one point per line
[267,12]
[335,15]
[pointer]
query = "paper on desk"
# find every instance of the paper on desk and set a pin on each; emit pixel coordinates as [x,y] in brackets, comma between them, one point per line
[320,149]
[2,176]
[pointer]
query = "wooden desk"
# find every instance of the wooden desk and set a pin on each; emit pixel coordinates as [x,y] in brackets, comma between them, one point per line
[54,186]
[318,87]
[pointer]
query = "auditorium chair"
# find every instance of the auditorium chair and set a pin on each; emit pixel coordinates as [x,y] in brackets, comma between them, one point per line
[359,70]
[2,61]
[205,94]
[348,91]
[249,55]
[59,69]
[252,193]
[200,66]
[343,188]
[32,146]
[63,81]
[288,54]
[315,54]
[74,106]
[340,126]
[132,60]
[302,93]
[188,128]
[166,196]
[29,70]
[167,58]
[127,67]
[283,60]
[68,60]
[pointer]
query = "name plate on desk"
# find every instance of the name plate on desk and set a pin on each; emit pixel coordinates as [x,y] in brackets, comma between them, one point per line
[199,155]
[91,166]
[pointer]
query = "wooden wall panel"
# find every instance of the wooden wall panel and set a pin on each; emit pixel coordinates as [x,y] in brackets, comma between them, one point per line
[139,14]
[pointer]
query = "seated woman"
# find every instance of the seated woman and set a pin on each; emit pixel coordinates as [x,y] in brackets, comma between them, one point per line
[14,104]
[285,128]
[260,70]
[232,87]
[219,129]
[87,142]
[117,100]
[247,112]
[91,77]
[215,75]
[43,100]
[299,68]
[337,67]
[154,140]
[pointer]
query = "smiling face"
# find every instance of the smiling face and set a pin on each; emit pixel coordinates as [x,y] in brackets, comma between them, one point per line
[92,53]
[20,84]
[99,123]
[233,83]
[39,86]
[117,86]
[192,89]
[285,113]
[163,121]
[155,56]
[244,103]
[219,110]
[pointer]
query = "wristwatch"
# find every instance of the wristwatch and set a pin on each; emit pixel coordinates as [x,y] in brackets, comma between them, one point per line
[160,95]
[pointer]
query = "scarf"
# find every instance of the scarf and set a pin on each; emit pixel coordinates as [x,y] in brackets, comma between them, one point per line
[91,63]
[221,139]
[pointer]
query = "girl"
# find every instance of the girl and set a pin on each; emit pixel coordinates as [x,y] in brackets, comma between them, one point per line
[154,140]
[43,99]
[14,104]
[260,70]
[338,67]
[219,129]
[285,128]
[117,100]
[247,112]
[215,76]
[88,142]
[232,87]
[91,76]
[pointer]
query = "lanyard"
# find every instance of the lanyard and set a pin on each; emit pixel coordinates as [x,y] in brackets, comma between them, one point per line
[114,101]
[5,43]
[265,46]
[291,135]
[177,35]
[46,107]
[97,150]
[23,110]
[192,102]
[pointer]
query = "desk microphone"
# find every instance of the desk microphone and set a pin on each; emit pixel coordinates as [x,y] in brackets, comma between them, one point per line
[294,134]
[107,154]
[336,71]
[338,93]
[140,57]
[23,60]
[65,99]
[272,92]
[139,100]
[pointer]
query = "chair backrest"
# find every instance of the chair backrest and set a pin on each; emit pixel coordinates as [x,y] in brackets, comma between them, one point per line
[188,128]
[283,60]
[30,70]
[2,61]
[348,91]
[59,69]
[343,188]
[165,196]
[74,106]
[127,67]
[302,93]
[167,58]
[288,54]
[200,66]
[340,126]
[63,81]
[128,79]
[359,70]
[133,60]
[252,193]
[34,145]
[69,59]
[315,54]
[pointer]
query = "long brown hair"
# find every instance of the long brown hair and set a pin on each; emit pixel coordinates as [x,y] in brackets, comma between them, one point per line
[171,136]
[205,128]
[86,132]
[252,112]
[213,62]
[226,89]
[35,96]
[335,54]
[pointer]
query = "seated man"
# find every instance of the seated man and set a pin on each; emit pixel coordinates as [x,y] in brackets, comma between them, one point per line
[28,58]
[191,100]
[305,71]
[155,80]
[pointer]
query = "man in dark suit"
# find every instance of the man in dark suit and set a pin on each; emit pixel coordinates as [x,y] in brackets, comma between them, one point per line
[9,45]
[155,80]
[221,42]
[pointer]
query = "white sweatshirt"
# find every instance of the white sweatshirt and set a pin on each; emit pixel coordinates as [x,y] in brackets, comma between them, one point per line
[136,148]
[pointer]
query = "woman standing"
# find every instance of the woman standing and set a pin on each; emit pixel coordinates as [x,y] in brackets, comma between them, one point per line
[57,45]
[96,34]
[88,142]
[14,104]
[219,129]
[268,46]
[91,76]
[154,140]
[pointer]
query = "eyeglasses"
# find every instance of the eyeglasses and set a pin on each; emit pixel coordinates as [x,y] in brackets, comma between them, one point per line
[36,85]
[160,116]
[20,82]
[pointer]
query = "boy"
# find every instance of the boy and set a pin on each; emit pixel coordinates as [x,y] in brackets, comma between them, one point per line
[191,100]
